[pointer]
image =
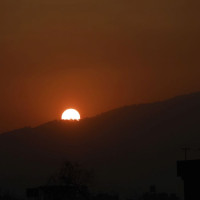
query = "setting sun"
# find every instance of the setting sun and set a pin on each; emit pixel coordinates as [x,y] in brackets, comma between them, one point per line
[70,114]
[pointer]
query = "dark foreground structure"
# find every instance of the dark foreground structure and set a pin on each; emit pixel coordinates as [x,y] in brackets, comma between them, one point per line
[189,171]
[61,192]
[55,192]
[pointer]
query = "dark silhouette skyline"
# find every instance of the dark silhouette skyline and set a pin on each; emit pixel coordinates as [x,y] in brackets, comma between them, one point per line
[128,148]
[66,186]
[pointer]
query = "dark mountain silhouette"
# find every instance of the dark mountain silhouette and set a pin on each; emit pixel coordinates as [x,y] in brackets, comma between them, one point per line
[128,148]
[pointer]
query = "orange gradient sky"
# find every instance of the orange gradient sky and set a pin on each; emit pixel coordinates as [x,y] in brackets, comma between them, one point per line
[93,56]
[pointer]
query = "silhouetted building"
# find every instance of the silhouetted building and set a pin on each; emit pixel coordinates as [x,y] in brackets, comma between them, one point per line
[189,171]
[153,195]
[105,196]
[57,192]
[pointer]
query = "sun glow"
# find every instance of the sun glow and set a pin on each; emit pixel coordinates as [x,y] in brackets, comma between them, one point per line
[70,114]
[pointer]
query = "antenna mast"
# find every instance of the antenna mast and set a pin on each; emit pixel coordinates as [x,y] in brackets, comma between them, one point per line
[186,149]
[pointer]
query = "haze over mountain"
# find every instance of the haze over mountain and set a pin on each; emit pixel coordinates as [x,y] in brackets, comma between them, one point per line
[128,148]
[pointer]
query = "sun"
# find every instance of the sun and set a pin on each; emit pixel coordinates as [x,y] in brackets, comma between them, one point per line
[71,114]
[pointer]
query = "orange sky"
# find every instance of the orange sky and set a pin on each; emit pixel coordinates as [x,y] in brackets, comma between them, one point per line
[93,55]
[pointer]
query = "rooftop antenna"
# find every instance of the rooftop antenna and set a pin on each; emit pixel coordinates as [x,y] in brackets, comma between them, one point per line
[186,149]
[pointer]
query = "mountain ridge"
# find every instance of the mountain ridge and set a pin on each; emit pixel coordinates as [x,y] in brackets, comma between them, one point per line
[112,110]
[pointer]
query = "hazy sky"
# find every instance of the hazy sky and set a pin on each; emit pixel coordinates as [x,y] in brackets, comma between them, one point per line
[94,55]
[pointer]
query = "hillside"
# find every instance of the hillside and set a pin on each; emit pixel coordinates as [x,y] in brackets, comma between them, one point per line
[128,148]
